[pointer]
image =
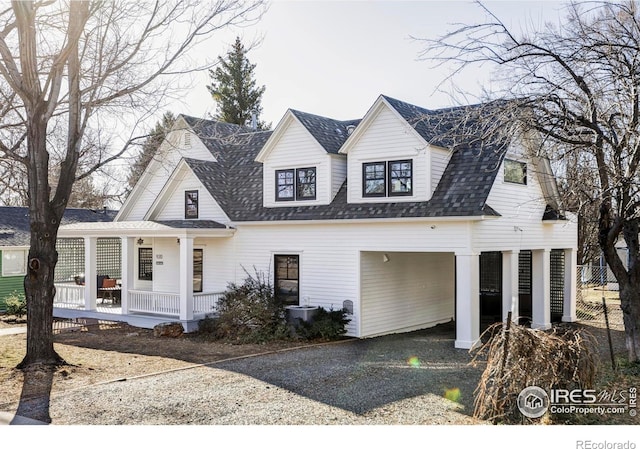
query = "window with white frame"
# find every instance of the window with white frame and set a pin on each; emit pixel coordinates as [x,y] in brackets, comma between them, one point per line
[14,262]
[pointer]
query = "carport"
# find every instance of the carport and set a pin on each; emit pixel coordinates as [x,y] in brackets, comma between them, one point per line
[404,291]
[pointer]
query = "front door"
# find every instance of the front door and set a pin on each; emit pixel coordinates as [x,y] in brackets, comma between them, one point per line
[287,279]
[490,289]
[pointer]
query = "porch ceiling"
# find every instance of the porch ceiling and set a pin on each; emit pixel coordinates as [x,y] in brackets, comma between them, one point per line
[171,228]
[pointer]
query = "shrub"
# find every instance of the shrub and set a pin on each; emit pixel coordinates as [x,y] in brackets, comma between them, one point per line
[249,312]
[16,304]
[325,325]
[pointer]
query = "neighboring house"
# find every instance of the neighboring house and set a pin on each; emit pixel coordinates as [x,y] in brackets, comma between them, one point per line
[14,243]
[375,215]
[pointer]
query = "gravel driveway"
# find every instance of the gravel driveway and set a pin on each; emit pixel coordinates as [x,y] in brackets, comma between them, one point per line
[397,379]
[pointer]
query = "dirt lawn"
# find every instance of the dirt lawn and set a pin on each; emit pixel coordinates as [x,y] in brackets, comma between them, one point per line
[109,351]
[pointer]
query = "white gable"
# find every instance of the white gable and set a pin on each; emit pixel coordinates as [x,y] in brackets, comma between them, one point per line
[170,203]
[180,142]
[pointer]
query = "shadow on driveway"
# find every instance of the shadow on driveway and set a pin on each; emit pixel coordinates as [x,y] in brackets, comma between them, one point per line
[362,375]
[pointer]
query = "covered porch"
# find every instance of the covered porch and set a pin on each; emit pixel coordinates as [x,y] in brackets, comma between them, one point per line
[159,271]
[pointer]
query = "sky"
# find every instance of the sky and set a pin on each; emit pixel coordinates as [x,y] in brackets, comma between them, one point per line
[334,58]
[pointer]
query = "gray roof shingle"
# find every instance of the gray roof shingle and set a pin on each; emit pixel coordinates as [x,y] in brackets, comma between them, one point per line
[329,133]
[235,181]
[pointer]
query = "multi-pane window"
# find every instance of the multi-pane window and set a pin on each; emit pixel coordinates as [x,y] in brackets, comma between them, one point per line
[306,185]
[285,185]
[14,262]
[198,256]
[191,204]
[374,179]
[400,177]
[393,178]
[296,184]
[145,264]
[515,171]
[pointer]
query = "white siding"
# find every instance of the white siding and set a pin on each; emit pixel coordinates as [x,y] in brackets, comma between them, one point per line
[409,291]
[160,169]
[330,253]
[166,265]
[388,137]
[439,161]
[338,173]
[173,207]
[296,148]
[520,226]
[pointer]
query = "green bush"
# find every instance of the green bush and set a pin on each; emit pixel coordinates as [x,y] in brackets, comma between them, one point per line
[249,313]
[16,304]
[325,325]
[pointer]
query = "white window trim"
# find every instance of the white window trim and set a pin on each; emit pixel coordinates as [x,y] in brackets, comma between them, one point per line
[23,272]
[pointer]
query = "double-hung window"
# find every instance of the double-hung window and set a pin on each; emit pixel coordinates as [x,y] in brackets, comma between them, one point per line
[296,184]
[392,178]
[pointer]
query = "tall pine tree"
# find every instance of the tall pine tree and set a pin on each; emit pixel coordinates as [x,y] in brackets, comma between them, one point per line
[234,89]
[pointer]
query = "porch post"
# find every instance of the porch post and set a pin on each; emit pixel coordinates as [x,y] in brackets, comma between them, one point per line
[126,268]
[570,285]
[541,286]
[510,284]
[186,278]
[467,300]
[90,273]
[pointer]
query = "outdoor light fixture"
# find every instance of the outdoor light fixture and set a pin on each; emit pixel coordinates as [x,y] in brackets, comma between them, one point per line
[140,241]
[178,242]
[385,258]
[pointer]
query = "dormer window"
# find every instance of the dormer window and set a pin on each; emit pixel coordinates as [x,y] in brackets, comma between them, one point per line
[393,178]
[515,172]
[296,184]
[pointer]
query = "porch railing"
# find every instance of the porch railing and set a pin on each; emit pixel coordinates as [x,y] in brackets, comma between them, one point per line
[154,302]
[69,295]
[205,303]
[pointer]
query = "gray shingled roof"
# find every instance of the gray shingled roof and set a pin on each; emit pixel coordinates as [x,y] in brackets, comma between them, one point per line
[14,222]
[235,181]
[329,133]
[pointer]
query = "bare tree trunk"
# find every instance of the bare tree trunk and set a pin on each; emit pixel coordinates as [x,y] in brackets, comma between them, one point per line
[38,283]
[630,304]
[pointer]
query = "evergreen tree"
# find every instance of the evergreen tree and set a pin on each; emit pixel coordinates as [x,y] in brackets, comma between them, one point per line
[234,89]
[150,146]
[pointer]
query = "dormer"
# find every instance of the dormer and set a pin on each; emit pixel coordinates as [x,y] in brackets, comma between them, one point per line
[389,160]
[301,163]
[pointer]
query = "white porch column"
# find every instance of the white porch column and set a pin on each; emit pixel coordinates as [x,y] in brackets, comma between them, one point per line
[467,300]
[90,273]
[510,284]
[128,249]
[570,285]
[186,278]
[541,289]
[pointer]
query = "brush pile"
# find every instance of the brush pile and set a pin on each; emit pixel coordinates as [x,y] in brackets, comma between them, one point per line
[518,357]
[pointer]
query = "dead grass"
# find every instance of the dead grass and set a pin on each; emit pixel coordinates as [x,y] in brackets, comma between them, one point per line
[111,351]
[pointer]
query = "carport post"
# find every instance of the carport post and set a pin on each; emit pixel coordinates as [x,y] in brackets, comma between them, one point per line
[510,284]
[467,300]
[541,289]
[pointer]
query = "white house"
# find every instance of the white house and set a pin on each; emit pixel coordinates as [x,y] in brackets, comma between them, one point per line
[376,215]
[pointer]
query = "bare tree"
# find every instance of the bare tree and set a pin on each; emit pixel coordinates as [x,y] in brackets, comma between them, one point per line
[575,84]
[87,65]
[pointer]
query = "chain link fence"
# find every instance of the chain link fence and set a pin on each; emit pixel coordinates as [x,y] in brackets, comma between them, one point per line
[597,288]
